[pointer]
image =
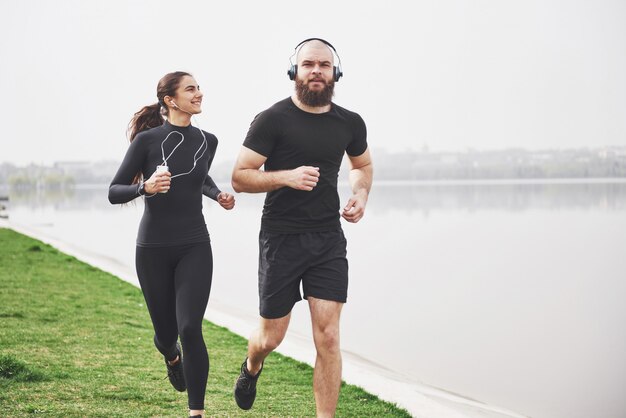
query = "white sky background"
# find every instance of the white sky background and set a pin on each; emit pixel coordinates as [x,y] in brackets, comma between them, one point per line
[451,75]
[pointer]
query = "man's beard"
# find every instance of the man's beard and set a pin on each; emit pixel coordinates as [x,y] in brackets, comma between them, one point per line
[315,98]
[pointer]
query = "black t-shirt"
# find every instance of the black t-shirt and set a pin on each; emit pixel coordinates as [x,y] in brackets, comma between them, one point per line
[174,217]
[290,137]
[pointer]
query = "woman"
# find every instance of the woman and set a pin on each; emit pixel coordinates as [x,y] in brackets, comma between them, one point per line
[173,256]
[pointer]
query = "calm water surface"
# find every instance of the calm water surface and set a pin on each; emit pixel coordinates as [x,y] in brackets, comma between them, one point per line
[508,293]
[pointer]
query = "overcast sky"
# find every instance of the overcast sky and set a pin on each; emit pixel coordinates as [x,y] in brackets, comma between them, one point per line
[449,75]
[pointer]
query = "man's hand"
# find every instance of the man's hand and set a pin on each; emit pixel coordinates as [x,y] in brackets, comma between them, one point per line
[355,209]
[303,178]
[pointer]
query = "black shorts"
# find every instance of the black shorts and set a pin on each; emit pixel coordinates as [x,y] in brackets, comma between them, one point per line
[318,259]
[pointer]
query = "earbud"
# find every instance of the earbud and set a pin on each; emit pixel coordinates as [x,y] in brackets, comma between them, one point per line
[175,106]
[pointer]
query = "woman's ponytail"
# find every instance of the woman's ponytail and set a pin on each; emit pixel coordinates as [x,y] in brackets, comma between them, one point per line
[148,117]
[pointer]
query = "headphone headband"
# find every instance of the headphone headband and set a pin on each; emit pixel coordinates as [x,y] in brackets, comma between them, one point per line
[317,39]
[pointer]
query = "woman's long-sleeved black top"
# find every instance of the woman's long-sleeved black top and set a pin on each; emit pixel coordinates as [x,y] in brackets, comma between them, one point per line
[175,217]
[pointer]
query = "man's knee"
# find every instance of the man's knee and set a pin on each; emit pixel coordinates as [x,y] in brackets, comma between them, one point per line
[327,340]
[270,343]
[271,333]
[270,339]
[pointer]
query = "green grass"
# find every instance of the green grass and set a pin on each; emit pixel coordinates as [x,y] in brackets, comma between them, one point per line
[77,342]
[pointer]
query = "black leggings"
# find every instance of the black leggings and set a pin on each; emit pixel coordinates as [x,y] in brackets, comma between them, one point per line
[176,282]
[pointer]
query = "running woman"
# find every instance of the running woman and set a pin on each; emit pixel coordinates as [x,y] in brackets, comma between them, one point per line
[167,163]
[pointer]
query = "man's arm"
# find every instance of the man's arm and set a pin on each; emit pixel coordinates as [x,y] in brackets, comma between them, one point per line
[247,176]
[361,175]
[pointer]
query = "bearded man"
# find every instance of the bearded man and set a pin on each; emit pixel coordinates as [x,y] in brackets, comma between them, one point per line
[301,142]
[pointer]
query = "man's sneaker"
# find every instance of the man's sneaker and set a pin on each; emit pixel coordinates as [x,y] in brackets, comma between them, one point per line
[175,372]
[245,387]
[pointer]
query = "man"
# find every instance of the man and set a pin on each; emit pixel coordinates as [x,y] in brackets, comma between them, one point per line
[301,141]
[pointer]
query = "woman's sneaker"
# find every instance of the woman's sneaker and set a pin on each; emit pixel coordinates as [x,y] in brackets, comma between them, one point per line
[245,387]
[175,372]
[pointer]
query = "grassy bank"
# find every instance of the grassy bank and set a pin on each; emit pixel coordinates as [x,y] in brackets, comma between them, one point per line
[77,342]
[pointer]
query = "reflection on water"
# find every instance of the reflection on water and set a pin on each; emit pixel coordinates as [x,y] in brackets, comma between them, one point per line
[41,197]
[472,196]
[508,293]
[414,196]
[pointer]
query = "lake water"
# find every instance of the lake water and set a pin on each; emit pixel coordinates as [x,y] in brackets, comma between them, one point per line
[511,293]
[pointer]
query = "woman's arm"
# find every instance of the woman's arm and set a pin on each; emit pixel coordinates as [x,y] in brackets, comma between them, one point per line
[210,189]
[121,189]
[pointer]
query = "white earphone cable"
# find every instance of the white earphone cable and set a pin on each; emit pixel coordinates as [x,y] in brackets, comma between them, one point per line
[203,147]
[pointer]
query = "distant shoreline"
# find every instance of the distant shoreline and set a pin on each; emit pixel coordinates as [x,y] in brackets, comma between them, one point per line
[510,181]
[407,167]
[395,183]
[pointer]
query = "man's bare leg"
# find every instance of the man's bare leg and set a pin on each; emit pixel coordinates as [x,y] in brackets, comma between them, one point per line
[264,340]
[327,374]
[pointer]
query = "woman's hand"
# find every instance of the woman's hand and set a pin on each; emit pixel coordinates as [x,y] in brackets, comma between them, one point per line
[158,183]
[226,200]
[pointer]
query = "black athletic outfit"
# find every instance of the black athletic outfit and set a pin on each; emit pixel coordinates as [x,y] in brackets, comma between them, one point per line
[301,237]
[173,257]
